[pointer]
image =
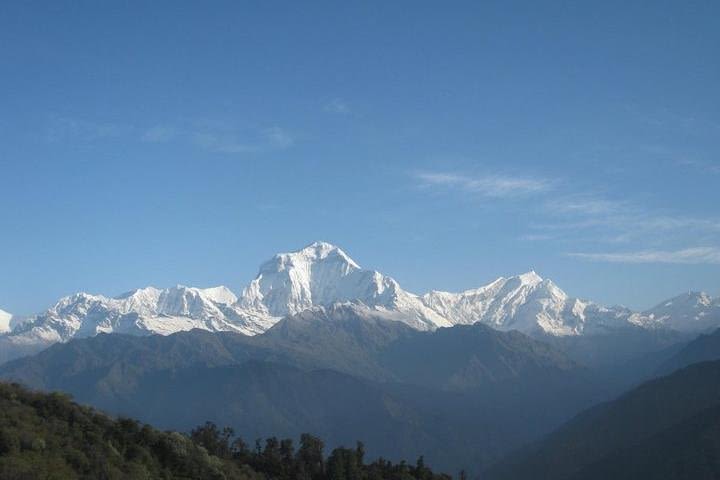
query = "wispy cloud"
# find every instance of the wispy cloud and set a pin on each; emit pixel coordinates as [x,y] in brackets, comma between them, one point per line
[159,134]
[212,136]
[674,121]
[233,141]
[220,142]
[616,221]
[61,128]
[337,105]
[584,205]
[222,138]
[700,165]
[278,137]
[537,237]
[489,185]
[695,255]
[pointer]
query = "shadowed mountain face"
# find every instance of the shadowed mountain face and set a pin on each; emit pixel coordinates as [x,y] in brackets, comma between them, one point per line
[614,348]
[703,348]
[470,356]
[652,431]
[462,396]
[688,449]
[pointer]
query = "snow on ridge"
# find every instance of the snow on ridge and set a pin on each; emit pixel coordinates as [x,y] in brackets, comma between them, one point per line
[323,275]
[5,321]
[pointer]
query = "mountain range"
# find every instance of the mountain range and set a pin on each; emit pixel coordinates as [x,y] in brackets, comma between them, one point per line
[322,274]
[317,344]
[463,396]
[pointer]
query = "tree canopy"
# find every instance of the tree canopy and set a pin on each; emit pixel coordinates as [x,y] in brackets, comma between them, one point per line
[50,437]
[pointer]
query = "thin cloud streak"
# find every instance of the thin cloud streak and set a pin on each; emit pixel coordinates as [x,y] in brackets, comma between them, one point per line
[584,206]
[337,106]
[702,166]
[210,136]
[159,134]
[493,185]
[223,139]
[694,255]
[278,137]
[620,220]
[221,143]
[66,128]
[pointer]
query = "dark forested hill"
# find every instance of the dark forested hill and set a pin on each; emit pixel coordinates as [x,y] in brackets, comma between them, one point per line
[47,436]
[667,428]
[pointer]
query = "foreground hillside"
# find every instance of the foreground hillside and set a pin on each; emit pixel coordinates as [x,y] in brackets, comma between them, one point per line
[667,428]
[50,437]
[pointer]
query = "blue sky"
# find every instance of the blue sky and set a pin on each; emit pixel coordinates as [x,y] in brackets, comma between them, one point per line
[443,143]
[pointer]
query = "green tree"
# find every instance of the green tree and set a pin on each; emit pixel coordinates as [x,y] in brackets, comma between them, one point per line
[310,457]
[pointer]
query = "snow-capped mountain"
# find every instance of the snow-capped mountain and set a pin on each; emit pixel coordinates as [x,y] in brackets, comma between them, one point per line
[143,311]
[525,302]
[322,275]
[5,321]
[689,312]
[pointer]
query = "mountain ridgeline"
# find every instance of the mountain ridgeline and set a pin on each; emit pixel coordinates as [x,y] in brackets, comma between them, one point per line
[324,275]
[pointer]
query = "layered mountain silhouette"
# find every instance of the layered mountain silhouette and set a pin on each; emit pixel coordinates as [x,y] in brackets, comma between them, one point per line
[461,396]
[667,428]
[323,275]
[705,347]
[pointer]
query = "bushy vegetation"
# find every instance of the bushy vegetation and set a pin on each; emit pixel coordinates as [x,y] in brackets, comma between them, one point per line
[278,459]
[47,436]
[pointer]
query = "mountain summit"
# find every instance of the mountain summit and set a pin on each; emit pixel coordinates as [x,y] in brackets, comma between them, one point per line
[692,311]
[5,321]
[322,275]
[318,274]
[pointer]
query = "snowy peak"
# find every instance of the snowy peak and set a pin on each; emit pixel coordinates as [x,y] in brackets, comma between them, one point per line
[142,311]
[300,264]
[316,252]
[686,300]
[530,278]
[178,300]
[692,311]
[525,302]
[319,274]
[221,294]
[5,321]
